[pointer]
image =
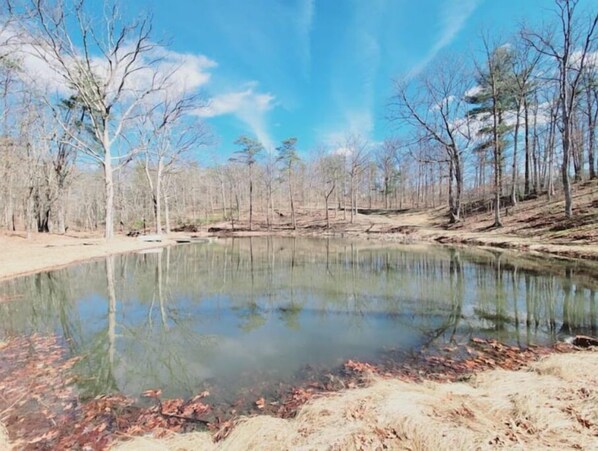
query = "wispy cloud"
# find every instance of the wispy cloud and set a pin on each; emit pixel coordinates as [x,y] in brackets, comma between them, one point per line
[248,105]
[454,15]
[361,53]
[358,122]
[233,102]
[304,23]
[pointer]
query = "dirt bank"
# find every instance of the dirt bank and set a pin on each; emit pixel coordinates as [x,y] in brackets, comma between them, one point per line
[21,256]
[552,403]
[536,226]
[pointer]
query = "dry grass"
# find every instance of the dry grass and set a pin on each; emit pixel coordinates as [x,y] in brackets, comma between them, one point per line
[554,403]
[4,442]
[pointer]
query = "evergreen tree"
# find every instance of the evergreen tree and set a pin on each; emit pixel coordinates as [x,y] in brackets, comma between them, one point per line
[250,148]
[493,98]
[288,158]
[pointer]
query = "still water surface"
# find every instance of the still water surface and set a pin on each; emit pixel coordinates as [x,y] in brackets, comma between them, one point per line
[241,312]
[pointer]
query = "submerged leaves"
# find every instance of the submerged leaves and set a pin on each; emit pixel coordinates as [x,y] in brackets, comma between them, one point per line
[36,378]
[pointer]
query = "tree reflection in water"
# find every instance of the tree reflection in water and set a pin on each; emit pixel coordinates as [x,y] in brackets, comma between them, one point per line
[260,309]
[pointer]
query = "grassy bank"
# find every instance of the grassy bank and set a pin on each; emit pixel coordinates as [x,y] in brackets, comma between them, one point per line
[552,403]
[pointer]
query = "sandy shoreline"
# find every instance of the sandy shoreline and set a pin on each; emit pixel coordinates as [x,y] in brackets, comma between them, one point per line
[20,256]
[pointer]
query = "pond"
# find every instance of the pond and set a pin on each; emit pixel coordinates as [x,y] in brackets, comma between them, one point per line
[239,313]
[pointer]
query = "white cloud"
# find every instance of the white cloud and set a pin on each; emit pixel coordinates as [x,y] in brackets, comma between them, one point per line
[237,101]
[591,59]
[40,68]
[248,105]
[182,73]
[191,71]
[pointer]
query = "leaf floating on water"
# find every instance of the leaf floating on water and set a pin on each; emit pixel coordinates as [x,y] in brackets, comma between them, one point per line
[152,393]
[203,394]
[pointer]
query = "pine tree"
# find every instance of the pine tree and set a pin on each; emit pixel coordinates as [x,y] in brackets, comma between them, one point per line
[494,97]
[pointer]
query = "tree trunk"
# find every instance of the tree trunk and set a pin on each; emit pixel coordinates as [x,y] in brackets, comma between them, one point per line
[223,194]
[109,193]
[250,198]
[326,212]
[60,211]
[514,166]
[451,198]
[292,202]
[591,136]
[591,145]
[386,190]
[459,180]
[351,188]
[565,167]
[496,119]
[166,213]
[527,148]
[158,197]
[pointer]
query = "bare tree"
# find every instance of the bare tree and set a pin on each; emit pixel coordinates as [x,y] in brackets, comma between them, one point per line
[387,160]
[590,92]
[569,45]
[524,66]
[432,106]
[250,149]
[329,169]
[356,150]
[110,68]
[168,132]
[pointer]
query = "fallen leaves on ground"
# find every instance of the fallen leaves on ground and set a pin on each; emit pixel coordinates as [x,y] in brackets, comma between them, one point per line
[41,409]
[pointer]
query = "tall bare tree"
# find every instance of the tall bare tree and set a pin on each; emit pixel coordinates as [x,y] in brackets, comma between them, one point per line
[356,150]
[432,106]
[329,169]
[569,44]
[524,65]
[109,65]
[387,160]
[247,156]
[168,132]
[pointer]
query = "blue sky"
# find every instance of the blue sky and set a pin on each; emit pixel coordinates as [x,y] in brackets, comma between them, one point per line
[316,69]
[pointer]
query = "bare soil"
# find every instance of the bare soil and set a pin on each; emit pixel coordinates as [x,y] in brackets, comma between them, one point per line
[533,226]
[20,255]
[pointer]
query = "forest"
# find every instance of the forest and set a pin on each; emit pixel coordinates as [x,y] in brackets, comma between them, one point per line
[113,140]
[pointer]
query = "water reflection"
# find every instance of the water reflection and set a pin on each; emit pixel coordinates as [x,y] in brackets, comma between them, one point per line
[253,310]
